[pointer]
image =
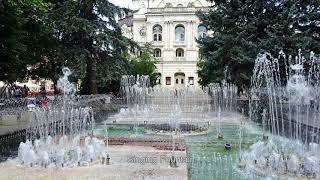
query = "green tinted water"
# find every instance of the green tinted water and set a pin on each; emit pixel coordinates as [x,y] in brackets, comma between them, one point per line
[127,131]
[211,160]
[207,156]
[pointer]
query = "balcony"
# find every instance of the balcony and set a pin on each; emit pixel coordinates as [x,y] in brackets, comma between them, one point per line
[157,43]
[179,43]
[174,60]
[176,10]
[159,59]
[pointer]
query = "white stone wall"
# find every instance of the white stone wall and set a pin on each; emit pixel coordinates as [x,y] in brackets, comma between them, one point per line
[157,12]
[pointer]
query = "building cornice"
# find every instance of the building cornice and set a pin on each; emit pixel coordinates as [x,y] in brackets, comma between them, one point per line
[176,62]
[174,10]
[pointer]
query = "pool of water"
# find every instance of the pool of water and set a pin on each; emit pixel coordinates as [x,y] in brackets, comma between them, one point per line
[127,131]
[207,157]
[210,158]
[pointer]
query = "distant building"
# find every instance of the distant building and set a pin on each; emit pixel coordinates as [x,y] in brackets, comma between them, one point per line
[171,26]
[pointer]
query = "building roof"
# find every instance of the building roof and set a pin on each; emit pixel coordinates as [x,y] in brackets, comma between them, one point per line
[128,20]
[126,17]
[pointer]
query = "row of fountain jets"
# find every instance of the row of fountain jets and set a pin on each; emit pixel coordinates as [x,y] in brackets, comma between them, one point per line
[283,98]
[61,134]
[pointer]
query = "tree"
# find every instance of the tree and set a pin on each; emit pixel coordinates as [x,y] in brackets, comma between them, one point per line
[244,28]
[21,30]
[90,41]
[144,64]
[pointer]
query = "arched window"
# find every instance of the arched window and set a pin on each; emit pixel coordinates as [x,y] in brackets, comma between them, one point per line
[157,53]
[157,33]
[179,52]
[202,31]
[180,33]
[142,8]
[179,6]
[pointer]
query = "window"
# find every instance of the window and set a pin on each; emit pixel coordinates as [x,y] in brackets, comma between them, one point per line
[157,33]
[168,80]
[179,7]
[179,52]
[182,81]
[202,31]
[180,33]
[190,81]
[177,81]
[142,8]
[157,53]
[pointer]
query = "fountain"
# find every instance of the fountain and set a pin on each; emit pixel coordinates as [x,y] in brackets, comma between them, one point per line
[135,89]
[201,123]
[289,102]
[224,96]
[58,135]
[64,85]
[153,103]
[162,109]
[181,115]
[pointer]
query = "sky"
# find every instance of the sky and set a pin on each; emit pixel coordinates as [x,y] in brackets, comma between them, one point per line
[121,3]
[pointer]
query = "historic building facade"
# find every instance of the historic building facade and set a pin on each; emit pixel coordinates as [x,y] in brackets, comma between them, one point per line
[172,27]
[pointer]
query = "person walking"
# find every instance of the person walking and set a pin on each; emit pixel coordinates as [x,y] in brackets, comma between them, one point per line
[17,92]
[43,91]
[25,91]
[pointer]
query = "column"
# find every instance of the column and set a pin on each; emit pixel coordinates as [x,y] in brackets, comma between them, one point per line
[189,34]
[171,35]
[164,36]
[149,32]
[194,33]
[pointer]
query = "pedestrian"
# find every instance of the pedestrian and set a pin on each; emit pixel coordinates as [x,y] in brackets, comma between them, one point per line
[43,91]
[7,92]
[25,91]
[17,92]
[12,89]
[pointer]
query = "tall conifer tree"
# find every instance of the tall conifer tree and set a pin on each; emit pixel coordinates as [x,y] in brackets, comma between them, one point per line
[244,28]
[89,33]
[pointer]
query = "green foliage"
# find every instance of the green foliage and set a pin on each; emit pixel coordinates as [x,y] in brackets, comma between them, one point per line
[21,27]
[86,38]
[144,64]
[49,34]
[244,28]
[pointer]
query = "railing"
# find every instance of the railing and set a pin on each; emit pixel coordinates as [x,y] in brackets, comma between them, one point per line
[180,43]
[177,10]
[157,42]
[178,62]
[159,59]
[181,59]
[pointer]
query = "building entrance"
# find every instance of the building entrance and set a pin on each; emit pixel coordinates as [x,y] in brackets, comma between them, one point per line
[179,80]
